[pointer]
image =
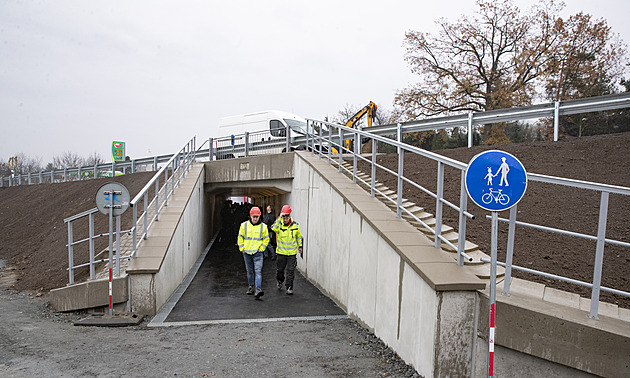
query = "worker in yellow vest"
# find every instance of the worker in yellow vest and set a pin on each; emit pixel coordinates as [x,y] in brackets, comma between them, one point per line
[288,244]
[252,240]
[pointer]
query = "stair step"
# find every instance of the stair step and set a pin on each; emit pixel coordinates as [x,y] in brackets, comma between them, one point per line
[483,270]
[469,247]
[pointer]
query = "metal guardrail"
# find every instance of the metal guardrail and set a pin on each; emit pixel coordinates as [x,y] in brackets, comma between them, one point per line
[552,109]
[84,172]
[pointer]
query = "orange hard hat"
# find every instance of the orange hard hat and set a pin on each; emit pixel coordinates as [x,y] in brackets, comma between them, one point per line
[286,209]
[254,211]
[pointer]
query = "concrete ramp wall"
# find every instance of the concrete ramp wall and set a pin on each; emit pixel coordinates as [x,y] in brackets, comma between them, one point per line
[173,245]
[385,273]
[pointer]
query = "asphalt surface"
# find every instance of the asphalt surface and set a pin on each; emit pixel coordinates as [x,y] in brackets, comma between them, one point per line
[216,294]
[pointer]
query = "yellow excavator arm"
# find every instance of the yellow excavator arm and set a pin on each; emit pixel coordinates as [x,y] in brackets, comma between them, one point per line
[370,110]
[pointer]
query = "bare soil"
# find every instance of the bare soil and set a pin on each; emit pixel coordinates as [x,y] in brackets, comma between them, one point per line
[33,235]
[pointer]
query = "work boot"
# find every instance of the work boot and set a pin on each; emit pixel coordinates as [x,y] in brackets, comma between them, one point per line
[290,290]
[250,290]
[259,293]
[279,284]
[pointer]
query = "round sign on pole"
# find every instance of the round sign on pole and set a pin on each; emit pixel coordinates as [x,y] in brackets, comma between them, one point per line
[495,180]
[120,195]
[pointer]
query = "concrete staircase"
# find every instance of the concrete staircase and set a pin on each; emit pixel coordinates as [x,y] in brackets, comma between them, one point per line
[389,197]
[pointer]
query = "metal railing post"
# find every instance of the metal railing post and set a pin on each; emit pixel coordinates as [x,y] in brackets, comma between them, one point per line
[510,251]
[329,143]
[399,191]
[308,123]
[65,175]
[246,144]
[157,198]
[373,174]
[146,214]
[287,133]
[399,135]
[354,158]
[155,163]
[599,255]
[134,233]
[92,248]
[70,255]
[556,120]
[320,141]
[117,245]
[470,129]
[166,194]
[463,205]
[340,148]
[210,149]
[438,204]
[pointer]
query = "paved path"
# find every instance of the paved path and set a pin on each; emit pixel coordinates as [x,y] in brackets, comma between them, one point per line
[215,290]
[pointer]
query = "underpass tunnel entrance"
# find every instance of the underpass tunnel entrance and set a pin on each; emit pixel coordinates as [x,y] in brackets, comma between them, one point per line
[230,207]
[217,292]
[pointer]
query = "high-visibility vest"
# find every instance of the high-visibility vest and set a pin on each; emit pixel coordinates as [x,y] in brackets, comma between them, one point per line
[252,238]
[288,238]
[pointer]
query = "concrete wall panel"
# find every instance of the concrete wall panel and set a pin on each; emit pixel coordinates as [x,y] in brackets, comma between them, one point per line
[363,267]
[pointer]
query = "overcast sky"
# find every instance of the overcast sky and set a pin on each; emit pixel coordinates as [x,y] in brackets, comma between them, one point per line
[76,74]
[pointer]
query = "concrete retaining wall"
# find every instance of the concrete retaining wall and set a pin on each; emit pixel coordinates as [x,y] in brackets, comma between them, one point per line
[384,276]
[173,245]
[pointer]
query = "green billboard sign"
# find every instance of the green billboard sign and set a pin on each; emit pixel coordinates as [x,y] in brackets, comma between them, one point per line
[118,151]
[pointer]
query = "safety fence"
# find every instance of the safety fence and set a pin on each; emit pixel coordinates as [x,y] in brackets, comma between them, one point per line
[153,196]
[322,134]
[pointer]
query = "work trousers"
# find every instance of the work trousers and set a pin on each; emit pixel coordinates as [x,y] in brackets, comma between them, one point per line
[254,265]
[288,263]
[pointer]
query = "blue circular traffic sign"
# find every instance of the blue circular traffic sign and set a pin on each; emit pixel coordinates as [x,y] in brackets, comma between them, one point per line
[495,180]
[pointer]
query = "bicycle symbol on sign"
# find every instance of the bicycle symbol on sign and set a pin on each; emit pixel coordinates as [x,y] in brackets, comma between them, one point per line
[497,196]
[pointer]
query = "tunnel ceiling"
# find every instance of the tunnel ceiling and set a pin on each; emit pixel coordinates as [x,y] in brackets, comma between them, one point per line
[254,192]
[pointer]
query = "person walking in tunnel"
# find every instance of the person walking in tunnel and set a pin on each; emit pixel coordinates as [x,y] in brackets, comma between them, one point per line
[289,243]
[252,240]
[269,219]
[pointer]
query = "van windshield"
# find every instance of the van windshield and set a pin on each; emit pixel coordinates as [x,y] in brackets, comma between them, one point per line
[297,126]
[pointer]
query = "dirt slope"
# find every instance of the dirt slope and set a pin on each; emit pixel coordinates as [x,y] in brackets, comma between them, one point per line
[33,235]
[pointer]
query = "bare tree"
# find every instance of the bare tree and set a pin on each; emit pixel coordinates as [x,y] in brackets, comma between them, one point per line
[94,159]
[67,159]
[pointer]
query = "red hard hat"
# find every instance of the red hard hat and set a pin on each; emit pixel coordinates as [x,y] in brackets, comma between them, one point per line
[286,209]
[254,211]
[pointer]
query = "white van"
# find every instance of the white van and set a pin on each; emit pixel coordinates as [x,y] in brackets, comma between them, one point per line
[263,126]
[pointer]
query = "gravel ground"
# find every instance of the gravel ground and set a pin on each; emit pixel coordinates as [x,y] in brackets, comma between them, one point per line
[36,341]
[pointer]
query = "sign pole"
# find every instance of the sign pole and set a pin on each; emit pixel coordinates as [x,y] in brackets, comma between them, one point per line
[111,247]
[493,291]
[495,181]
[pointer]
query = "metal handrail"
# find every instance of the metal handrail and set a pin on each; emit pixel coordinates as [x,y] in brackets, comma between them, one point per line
[358,135]
[179,164]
